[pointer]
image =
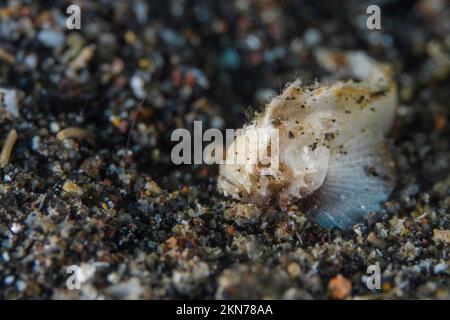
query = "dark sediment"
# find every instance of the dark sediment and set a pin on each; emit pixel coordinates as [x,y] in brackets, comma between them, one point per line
[141,227]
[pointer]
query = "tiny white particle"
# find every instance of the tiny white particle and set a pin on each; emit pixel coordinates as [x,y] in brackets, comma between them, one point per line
[8,280]
[15,227]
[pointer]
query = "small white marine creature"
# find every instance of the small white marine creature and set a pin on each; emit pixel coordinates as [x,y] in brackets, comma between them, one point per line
[331,151]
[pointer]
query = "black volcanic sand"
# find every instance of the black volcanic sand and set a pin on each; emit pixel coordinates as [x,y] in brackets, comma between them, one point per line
[141,227]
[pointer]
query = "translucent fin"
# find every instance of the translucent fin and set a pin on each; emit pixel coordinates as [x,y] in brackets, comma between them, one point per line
[359,179]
